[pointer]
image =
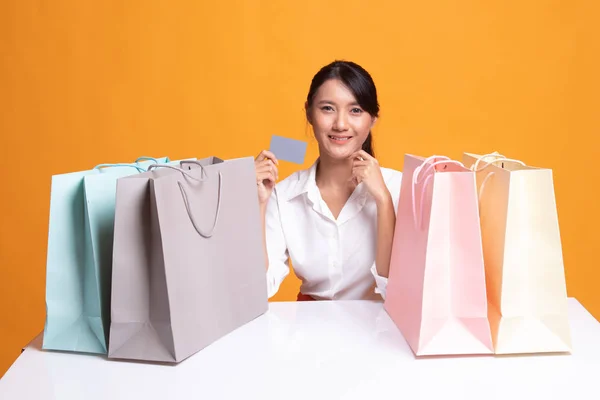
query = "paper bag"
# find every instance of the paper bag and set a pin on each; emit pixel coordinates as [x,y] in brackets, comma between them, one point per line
[188,263]
[523,256]
[436,291]
[80,255]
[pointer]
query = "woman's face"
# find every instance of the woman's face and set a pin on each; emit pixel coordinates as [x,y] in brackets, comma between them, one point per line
[340,125]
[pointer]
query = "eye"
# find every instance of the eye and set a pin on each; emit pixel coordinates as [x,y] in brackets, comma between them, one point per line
[327,108]
[356,110]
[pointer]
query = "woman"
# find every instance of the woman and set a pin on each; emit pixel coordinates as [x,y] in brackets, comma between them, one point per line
[335,220]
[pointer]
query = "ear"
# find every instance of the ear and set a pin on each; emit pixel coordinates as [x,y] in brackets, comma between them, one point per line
[307,111]
[373,120]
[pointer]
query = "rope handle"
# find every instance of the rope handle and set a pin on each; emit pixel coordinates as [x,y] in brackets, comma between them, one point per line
[100,166]
[186,202]
[430,166]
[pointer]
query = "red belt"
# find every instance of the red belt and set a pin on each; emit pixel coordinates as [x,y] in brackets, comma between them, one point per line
[304,297]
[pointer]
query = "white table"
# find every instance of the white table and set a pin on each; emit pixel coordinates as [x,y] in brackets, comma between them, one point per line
[315,350]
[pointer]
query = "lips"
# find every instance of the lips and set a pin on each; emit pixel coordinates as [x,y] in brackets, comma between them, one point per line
[340,138]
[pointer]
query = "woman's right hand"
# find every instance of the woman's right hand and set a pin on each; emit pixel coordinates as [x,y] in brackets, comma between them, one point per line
[266,175]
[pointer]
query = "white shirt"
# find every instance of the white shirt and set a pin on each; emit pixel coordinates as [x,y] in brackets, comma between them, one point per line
[334,259]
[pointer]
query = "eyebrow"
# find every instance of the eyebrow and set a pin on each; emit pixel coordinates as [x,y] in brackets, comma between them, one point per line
[333,104]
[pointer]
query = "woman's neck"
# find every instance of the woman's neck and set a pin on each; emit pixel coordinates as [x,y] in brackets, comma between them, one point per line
[334,173]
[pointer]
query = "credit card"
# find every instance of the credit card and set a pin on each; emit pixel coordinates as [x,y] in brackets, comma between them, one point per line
[287,149]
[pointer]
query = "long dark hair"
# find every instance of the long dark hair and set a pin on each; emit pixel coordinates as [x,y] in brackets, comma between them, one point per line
[358,81]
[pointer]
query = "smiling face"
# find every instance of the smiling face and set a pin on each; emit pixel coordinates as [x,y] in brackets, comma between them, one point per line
[340,124]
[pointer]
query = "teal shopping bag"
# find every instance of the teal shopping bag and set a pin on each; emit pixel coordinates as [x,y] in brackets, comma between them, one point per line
[79,258]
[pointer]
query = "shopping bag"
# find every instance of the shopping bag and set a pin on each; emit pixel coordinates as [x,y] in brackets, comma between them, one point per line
[522,250]
[79,256]
[436,291]
[188,264]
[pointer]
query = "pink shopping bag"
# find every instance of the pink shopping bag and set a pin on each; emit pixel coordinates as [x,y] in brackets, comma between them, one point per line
[436,292]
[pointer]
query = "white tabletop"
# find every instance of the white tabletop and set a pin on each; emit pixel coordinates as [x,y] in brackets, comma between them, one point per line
[315,350]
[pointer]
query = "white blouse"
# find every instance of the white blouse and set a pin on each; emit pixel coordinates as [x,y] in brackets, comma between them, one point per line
[334,259]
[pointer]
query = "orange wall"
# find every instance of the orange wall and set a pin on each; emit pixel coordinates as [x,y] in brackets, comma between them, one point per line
[83,83]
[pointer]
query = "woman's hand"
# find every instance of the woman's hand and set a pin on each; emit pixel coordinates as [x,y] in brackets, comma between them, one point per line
[266,175]
[365,168]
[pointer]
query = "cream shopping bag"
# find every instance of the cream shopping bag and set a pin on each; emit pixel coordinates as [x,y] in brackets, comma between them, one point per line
[523,255]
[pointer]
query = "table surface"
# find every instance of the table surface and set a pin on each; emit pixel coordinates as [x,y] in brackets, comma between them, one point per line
[314,350]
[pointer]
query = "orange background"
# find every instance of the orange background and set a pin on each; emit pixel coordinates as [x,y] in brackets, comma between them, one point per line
[82,83]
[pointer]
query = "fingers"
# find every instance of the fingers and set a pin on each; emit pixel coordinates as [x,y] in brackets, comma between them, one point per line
[359,163]
[361,168]
[359,173]
[267,155]
[266,176]
[266,171]
[362,156]
[356,179]
[267,166]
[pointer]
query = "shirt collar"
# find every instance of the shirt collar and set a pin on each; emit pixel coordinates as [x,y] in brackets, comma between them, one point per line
[307,182]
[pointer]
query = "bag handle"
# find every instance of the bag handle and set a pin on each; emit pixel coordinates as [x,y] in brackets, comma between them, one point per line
[184,196]
[183,162]
[140,169]
[144,158]
[100,166]
[498,158]
[415,181]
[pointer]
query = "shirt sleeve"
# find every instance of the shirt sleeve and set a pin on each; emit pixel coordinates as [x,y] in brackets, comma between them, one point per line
[277,253]
[380,282]
[393,184]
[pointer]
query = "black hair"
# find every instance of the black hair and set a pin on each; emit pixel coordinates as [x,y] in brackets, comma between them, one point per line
[358,81]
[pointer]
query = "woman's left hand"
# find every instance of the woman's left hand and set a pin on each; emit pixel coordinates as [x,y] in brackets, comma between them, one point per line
[365,169]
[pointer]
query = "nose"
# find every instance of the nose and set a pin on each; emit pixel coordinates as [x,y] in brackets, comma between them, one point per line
[340,124]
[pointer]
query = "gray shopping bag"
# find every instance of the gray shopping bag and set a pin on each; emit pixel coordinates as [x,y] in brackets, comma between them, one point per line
[188,261]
